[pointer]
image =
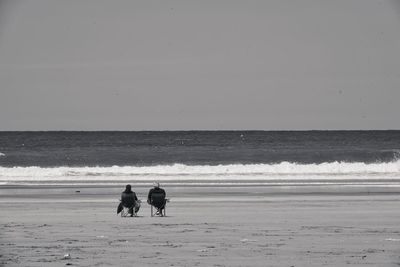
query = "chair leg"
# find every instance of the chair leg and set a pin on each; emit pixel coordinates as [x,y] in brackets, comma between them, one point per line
[124,212]
[153,212]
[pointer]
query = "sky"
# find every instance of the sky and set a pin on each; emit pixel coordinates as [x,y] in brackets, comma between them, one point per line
[199,65]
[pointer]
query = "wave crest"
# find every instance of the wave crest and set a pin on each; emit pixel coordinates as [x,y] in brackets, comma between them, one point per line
[199,172]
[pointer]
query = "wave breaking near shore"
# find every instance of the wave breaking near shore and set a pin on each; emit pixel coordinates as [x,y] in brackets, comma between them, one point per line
[197,173]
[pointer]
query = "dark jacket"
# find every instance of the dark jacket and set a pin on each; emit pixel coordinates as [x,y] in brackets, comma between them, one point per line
[128,199]
[156,197]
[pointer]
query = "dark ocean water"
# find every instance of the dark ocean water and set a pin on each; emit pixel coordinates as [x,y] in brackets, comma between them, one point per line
[77,149]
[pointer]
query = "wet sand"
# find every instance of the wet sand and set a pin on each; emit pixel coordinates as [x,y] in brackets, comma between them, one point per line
[205,226]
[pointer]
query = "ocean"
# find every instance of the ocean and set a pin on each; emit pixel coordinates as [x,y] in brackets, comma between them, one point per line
[201,157]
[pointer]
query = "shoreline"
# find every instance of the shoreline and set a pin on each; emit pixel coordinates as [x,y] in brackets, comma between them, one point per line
[195,193]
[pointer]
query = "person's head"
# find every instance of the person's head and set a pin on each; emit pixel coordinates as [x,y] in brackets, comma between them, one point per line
[128,188]
[156,184]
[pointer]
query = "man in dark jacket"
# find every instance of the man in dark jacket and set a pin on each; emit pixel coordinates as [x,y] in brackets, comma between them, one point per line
[130,200]
[156,198]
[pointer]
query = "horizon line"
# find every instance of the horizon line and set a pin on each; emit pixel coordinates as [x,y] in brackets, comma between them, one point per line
[208,130]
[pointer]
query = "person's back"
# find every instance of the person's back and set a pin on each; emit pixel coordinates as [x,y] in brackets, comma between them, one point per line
[130,200]
[157,197]
[156,191]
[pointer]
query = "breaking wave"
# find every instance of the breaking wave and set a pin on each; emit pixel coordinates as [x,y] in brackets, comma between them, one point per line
[218,173]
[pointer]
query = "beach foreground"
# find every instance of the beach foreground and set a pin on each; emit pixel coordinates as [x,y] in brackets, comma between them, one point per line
[219,226]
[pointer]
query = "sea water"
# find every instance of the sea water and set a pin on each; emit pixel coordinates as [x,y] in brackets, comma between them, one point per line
[201,157]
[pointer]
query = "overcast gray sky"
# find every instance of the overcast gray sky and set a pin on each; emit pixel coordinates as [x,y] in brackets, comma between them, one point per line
[164,65]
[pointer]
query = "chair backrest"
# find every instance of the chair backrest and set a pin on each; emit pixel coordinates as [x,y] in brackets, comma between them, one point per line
[128,199]
[158,199]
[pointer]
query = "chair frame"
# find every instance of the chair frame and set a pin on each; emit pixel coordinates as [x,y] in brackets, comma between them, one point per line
[125,210]
[153,210]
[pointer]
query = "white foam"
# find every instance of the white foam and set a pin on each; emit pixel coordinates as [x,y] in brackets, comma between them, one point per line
[180,172]
[2,154]
[393,239]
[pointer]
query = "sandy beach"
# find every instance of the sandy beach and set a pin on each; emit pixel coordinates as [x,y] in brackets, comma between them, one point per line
[205,226]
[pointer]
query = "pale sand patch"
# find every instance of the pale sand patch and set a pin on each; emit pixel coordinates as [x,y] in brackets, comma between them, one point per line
[202,230]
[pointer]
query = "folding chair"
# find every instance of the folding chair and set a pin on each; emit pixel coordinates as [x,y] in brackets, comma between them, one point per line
[158,201]
[130,209]
[126,211]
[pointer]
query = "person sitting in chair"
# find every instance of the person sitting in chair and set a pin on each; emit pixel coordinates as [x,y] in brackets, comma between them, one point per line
[156,198]
[130,200]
